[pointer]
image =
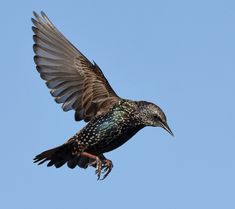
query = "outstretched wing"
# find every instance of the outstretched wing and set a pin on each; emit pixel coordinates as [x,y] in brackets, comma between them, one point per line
[72,78]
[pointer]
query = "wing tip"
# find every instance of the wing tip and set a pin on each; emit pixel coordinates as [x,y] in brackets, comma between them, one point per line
[35,48]
[35,14]
[39,18]
[35,58]
[44,15]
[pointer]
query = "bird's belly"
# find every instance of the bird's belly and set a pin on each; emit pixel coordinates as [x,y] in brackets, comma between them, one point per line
[111,142]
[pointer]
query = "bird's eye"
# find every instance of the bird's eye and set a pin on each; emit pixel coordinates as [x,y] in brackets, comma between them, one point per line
[156,117]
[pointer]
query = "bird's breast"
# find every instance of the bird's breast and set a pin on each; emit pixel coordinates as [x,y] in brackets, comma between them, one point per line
[111,131]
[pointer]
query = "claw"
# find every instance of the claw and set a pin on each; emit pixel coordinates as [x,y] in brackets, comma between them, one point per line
[103,166]
[107,165]
[98,167]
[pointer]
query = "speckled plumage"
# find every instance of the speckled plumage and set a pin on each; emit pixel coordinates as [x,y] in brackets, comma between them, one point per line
[81,86]
[109,131]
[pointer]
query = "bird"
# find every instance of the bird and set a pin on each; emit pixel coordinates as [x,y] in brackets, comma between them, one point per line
[80,85]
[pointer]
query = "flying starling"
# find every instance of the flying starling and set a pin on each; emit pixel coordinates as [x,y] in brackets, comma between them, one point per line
[81,86]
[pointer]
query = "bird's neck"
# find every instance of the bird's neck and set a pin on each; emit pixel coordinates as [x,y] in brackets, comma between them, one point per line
[130,109]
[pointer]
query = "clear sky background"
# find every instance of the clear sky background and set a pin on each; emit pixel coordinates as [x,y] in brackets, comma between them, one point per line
[178,54]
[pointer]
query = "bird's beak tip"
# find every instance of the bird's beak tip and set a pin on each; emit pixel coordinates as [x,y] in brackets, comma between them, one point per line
[167,128]
[171,133]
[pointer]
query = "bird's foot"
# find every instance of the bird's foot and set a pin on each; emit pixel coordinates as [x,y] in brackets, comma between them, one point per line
[98,169]
[107,166]
[103,167]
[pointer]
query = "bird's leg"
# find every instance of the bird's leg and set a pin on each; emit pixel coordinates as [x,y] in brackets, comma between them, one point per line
[98,167]
[97,162]
[101,164]
[106,168]
[107,165]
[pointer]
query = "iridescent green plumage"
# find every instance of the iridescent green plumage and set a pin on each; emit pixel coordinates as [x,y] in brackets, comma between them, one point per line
[112,129]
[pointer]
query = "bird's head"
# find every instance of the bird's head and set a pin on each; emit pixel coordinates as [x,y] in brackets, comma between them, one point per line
[151,115]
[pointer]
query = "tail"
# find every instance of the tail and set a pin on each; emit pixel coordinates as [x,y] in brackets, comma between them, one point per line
[58,156]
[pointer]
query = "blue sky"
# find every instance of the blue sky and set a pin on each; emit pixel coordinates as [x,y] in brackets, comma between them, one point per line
[178,54]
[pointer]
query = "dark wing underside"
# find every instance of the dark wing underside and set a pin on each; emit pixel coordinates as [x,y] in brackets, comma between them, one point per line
[72,78]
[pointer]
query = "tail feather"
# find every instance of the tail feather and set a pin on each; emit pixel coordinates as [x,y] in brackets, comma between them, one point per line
[59,164]
[72,163]
[58,156]
[44,156]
